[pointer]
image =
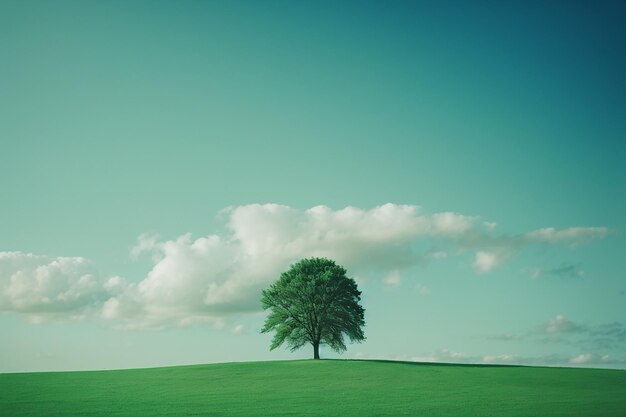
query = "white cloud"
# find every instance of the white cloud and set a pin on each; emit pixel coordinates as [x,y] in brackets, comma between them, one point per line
[209,278]
[534,273]
[50,288]
[485,261]
[583,358]
[422,289]
[437,255]
[206,279]
[449,223]
[490,225]
[145,243]
[451,356]
[442,355]
[239,329]
[570,236]
[393,279]
[593,358]
[560,324]
[498,358]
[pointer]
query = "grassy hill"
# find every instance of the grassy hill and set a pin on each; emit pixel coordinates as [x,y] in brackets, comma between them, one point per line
[318,388]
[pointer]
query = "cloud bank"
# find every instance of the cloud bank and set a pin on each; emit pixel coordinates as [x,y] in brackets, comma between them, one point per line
[210,278]
[51,288]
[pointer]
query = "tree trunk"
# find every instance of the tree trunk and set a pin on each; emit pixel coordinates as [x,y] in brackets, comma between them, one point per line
[316,350]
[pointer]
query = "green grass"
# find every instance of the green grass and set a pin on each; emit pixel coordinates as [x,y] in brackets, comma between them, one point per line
[318,388]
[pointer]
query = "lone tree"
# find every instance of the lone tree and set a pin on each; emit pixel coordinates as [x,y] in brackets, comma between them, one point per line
[314,302]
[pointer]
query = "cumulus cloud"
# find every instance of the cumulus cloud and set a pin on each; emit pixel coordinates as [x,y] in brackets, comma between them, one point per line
[51,288]
[209,278]
[485,261]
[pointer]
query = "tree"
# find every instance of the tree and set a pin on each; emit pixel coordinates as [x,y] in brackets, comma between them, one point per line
[314,302]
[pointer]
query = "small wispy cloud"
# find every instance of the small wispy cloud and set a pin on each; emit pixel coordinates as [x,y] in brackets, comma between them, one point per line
[453,356]
[560,324]
[561,330]
[489,225]
[422,289]
[566,271]
[393,279]
[437,255]
[570,236]
[146,242]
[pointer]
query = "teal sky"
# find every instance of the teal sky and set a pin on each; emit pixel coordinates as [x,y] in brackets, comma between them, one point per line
[126,125]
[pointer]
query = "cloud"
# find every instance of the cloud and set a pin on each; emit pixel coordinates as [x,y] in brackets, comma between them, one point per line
[547,332]
[608,335]
[51,288]
[570,236]
[485,261]
[490,225]
[145,243]
[583,358]
[495,250]
[507,337]
[393,279]
[560,324]
[561,330]
[422,289]
[239,329]
[437,255]
[441,355]
[451,356]
[595,359]
[567,271]
[209,278]
[504,358]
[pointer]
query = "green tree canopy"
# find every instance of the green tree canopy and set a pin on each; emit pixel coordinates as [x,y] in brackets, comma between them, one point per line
[314,302]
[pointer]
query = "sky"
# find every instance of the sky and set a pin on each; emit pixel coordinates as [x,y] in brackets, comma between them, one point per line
[163,162]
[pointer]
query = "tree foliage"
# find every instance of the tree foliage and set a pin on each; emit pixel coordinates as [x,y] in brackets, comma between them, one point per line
[314,302]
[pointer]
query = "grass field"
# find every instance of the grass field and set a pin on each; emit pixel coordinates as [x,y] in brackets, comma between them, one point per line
[318,388]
